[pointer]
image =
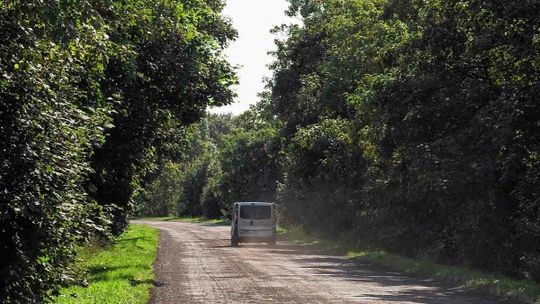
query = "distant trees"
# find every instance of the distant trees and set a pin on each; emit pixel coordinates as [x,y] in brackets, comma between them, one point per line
[91,94]
[229,159]
[413,125]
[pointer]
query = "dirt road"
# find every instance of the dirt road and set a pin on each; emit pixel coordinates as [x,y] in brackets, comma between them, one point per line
[196,265]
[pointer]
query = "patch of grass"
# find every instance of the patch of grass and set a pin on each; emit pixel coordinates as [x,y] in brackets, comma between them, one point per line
[120,273]
[198,220]
[471,280]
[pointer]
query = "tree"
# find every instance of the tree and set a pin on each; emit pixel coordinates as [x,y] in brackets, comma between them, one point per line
[461,134]
[52,116]
[169,66]
[443,124]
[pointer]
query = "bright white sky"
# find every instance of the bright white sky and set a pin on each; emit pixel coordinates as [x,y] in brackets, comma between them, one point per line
[253,20]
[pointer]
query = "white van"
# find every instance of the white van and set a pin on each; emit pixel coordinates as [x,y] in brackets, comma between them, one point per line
[253,222]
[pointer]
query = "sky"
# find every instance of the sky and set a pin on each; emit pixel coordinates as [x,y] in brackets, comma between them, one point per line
[253,20]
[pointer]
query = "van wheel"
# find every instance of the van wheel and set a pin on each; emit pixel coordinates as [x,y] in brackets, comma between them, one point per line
[234,240]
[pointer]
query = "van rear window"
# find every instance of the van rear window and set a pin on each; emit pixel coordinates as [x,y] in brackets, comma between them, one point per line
[256,212]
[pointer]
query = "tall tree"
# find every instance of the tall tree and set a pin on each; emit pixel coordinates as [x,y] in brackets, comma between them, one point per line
[169,66]
[52,115]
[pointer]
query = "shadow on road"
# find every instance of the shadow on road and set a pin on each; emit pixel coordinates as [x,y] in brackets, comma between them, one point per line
[402,288]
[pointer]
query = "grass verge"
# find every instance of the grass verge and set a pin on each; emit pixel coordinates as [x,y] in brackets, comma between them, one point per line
[121,273]
[471,280]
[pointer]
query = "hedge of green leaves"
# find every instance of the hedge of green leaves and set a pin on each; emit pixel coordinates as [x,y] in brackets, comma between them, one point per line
[436,153]
[91,93]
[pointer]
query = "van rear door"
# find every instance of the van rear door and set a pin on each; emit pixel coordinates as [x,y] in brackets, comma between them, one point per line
[256,217]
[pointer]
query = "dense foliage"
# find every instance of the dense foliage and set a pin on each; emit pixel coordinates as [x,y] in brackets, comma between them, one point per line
[52,115]
[440,95]
[166,74]
[91,95]
[412,125]
[228,159]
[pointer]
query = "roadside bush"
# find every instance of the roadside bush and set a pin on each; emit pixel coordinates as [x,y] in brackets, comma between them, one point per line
[51,117]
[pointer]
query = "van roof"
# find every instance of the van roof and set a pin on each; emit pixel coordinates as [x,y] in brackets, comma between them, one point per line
[254,203]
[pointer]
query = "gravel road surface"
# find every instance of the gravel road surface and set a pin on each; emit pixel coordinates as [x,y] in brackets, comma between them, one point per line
[196,265]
